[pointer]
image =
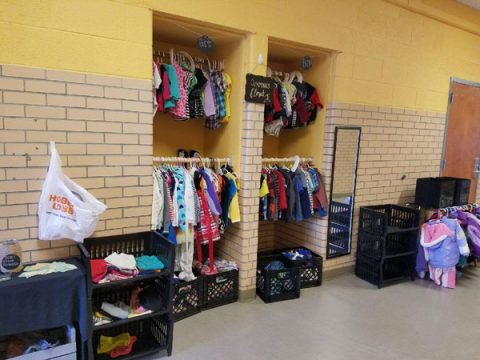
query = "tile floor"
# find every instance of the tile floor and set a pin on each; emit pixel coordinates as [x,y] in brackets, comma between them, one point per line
[346,318]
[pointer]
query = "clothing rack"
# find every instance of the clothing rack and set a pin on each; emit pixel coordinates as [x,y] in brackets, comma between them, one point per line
[460,207]
[163,159]
[287,159]
[196,59]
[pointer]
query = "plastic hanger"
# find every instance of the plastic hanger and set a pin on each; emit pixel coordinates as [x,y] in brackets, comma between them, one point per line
[296,162]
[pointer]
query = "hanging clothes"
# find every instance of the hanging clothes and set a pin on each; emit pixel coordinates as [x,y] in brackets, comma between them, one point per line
[291,195]
[294,104]
[189,205]
[187,92]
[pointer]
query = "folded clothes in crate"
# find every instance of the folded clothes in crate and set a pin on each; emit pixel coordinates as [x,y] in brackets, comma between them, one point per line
[220,265]
[116,346]
[123,266]
[298,254]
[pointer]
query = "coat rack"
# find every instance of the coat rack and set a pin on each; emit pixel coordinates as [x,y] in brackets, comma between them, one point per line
[160,159]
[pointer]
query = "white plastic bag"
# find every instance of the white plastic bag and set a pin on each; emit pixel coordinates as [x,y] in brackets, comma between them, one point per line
[65,210]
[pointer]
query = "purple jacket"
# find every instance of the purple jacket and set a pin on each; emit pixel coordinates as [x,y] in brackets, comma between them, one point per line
[443,249]
[473,230]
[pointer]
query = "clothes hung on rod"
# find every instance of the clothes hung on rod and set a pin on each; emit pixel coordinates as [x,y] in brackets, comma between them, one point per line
[449,240]
[185,90]
[294,103]
[194,201]
[291,193]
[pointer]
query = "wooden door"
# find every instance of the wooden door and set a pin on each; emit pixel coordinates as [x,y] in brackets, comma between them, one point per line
[462,143]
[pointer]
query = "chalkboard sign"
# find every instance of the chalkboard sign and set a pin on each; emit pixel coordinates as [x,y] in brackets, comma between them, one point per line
[259,89]
[205,44]
[307,62]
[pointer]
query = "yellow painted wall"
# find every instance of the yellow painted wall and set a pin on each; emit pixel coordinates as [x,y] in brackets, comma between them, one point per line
[391,56]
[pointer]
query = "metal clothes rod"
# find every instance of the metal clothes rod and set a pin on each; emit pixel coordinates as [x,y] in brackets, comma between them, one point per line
[197,59]
[190,160]
[287,159]
[460,207]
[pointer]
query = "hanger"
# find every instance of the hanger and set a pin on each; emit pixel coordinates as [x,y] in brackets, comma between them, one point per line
[296,162]
[296,74]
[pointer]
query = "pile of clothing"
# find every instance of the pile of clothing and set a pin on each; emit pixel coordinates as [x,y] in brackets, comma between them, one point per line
[187,92]
[143,300]
[116,346]
[446,244]
[123,266]
[291,194]
[31,342]
[194,205]
[294,105]
[220,265]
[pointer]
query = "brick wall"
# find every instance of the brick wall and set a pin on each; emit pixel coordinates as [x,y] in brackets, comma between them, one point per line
[240,241]
[103,130]
[397,146]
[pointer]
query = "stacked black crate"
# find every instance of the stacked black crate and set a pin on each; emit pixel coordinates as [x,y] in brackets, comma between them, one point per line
[153,330]
[387,243]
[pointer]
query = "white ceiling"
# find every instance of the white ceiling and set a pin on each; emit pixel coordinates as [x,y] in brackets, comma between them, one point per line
[472,3]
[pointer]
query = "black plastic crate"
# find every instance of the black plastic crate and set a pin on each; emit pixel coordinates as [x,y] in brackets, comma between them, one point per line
[187,298]
[277,285]
[435,192]
[310,269]
[379,246]
[151,336]
[220,289]
[340,213]
[462,190]
[124,293]
[338,239]
[383,219]
[388,270]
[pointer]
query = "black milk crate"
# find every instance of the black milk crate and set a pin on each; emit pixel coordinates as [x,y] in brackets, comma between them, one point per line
[435,192]
[338,239]
[277,285]
[137,244]
[124,293]
[310,269]
[383,219]
[220,289]
[379,246]
[187,298]
[340,213]
[462,190]
[151,336]
[379,272]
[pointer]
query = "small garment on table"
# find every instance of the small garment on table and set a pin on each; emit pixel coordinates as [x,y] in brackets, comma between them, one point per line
[149,262]
[46,268]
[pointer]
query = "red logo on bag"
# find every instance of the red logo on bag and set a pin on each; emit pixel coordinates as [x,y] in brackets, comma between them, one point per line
[61,203]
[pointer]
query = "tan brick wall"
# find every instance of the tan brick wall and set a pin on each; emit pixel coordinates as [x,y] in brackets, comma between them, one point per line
[240,241]
[395,143]
[103,130]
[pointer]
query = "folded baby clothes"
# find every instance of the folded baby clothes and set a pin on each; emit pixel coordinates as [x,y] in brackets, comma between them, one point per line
[149,262]
[119,310]
[121,261]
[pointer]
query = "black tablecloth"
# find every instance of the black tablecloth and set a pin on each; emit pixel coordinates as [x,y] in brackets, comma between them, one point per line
[45,301]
